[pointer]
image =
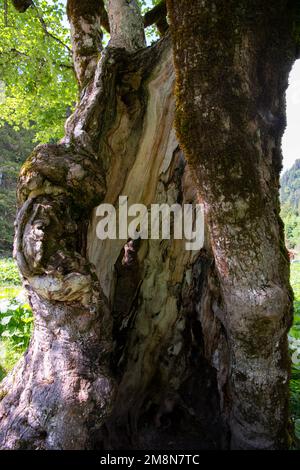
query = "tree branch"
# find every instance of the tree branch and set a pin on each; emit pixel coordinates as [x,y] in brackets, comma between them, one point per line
[5,13]
[22,5]
[157,16]
[47,32]
[39,59]
[86,18]
[126,25]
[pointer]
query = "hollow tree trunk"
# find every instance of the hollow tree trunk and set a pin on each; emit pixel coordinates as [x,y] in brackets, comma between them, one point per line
[232,63]
[143,344]
[130,351]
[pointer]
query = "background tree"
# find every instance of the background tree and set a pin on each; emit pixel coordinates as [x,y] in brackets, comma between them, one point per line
[140,343]
[290,204]
[36,67]
[15,146]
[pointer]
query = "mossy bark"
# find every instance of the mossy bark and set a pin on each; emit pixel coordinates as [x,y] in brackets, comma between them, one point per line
[232,61]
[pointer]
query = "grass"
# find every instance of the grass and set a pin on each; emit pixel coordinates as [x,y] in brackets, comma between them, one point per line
[15,317]
[9,355]
[295,346]
[10,283]
[10,292]
[9,275]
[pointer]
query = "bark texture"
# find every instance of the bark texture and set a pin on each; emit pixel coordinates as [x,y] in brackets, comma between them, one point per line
[142,344]
[159,292]
[126,25]
[232,62]
[85,18]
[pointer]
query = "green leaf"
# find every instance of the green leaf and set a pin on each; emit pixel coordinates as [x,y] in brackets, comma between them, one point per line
[5,320]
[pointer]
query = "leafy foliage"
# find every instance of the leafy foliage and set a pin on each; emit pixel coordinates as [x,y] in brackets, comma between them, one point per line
[9,274]
[290,186]
[14,149]
[290,205]
[294,340]
[35,65]
[16,321]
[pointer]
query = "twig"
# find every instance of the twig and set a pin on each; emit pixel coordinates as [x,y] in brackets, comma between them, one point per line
[47,32]
[23,54]
[5,13]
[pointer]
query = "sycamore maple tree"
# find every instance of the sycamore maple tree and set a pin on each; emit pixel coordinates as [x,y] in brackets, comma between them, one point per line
[139,343]
[36,68]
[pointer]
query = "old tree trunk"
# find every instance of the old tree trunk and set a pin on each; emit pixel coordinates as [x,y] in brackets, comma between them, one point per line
[143,344]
